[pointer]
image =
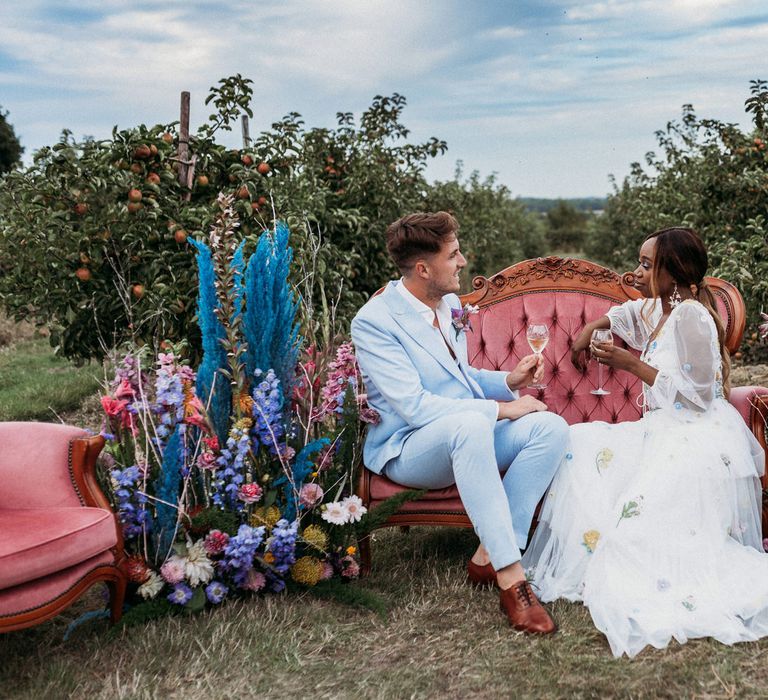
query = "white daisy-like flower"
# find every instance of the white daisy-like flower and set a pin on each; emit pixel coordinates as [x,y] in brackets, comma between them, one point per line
[354,507]
[198,568]
[335,513]
[152,586]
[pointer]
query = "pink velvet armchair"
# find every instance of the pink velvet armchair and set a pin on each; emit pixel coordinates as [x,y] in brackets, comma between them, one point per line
[564,294]
[58,535]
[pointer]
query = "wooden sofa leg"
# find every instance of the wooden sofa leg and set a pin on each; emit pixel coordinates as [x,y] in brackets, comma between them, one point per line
[117,589]
[364,544]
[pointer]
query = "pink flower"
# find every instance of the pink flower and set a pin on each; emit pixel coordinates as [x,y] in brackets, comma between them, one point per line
[215,542]
[763,327]
[310,495]
[165,359]
[255,581]
[211,443]
[350,568]
[370,415]
[287,453]
[187,374]
[173,570]
[206,460]
[113,407]
[327,571]
[250,493]
[124,390]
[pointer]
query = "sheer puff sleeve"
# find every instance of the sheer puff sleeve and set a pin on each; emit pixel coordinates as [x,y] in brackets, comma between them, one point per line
[634,321]
[687,380]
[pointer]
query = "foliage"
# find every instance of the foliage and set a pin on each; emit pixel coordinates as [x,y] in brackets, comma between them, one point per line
[494,226]
[92,234]
[10,148]
[566,226]
[709,175]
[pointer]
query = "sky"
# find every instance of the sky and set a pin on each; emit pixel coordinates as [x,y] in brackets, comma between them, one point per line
[553,96]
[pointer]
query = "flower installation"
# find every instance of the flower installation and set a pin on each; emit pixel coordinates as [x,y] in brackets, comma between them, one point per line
[237,476]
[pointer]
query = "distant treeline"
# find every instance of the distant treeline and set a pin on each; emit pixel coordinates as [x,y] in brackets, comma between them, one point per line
[543,206]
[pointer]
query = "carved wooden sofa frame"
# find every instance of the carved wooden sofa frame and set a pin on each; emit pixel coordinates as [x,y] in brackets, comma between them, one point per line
[565,294]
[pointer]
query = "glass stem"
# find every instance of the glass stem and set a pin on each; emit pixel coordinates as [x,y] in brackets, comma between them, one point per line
[599,375]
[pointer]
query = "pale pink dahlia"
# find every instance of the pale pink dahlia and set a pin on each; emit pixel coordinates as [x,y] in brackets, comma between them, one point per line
[173,570]
[310,495]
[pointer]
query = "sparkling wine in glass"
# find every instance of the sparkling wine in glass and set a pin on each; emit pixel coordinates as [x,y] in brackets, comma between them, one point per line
[538,337]
[605,337]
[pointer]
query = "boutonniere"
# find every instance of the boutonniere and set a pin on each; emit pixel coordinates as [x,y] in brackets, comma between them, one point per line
[460,318]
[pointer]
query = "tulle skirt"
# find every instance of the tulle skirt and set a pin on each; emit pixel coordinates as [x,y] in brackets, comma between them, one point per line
[655,525]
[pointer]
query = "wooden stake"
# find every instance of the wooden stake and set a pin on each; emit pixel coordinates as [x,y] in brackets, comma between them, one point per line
[184,143]
[246,131]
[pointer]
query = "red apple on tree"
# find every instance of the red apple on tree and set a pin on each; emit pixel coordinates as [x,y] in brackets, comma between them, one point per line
[83,274]
[263,168]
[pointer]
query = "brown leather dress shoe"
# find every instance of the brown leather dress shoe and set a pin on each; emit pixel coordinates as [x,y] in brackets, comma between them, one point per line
[524,610]
[481,574]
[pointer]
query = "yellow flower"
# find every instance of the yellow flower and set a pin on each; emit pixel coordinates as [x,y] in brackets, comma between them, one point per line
[313,475]
[265,516]
[315,536]
[307,570]
[351,551]
[591,538]
[244,424]
[269,558]
[603,458]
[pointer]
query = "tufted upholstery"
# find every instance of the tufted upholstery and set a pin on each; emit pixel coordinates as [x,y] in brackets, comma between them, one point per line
[58,534]
[564,294]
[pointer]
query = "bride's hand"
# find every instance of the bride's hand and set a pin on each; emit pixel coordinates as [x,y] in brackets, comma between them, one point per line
[612,356]
[579,352]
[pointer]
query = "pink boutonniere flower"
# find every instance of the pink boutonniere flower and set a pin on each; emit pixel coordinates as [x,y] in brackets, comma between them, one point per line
[763,327]
[460,318]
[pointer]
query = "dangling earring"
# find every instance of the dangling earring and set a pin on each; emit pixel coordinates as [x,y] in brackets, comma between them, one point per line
[675,298]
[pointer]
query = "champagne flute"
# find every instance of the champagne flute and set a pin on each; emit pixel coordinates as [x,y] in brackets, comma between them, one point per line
[604,336]
[538,337]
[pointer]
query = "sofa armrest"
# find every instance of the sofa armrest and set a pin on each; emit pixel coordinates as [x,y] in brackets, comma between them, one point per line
[84,453]
[752,403]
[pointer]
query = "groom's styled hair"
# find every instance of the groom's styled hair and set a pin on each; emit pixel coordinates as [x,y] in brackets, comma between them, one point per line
[415,235]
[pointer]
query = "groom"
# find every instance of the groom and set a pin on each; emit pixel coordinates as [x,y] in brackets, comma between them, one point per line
[445,422]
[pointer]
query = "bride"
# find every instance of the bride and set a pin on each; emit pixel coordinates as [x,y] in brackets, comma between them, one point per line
[655,524]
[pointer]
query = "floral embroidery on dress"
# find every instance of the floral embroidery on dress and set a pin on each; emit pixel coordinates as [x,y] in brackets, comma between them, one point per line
[603,459]
[689,603]
[663,584]
[591,538]
[726,460]
[631,509]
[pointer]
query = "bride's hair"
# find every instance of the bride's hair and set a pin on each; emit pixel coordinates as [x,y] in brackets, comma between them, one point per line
[682,254]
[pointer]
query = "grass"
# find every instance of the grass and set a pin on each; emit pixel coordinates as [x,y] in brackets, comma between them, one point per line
[438,638]
[36,385]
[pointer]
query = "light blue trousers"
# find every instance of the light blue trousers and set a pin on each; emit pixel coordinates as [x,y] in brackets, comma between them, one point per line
[470,451]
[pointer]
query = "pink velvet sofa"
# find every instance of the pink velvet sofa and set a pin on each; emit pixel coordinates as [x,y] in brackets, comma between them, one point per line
[564,294]
[58,535]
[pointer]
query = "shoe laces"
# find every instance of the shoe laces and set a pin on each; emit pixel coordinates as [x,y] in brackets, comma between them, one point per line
[525,594]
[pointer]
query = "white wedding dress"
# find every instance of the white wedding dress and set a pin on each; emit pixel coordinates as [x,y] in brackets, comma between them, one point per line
[655,524]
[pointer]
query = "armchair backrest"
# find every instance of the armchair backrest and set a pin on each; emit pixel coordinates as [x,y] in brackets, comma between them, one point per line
[35,465]
[565,294]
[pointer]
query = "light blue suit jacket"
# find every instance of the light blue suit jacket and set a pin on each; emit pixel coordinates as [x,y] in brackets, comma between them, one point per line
[410,376]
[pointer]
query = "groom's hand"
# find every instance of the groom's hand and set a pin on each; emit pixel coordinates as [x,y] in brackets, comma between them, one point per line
[520,407]
[528,371]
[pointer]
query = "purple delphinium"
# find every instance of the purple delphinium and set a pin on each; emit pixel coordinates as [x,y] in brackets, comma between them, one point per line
[131,503]
[169,395]
[228,475]
[181,594]
[282,545]
[215,592]
[268,411]
[241,550]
